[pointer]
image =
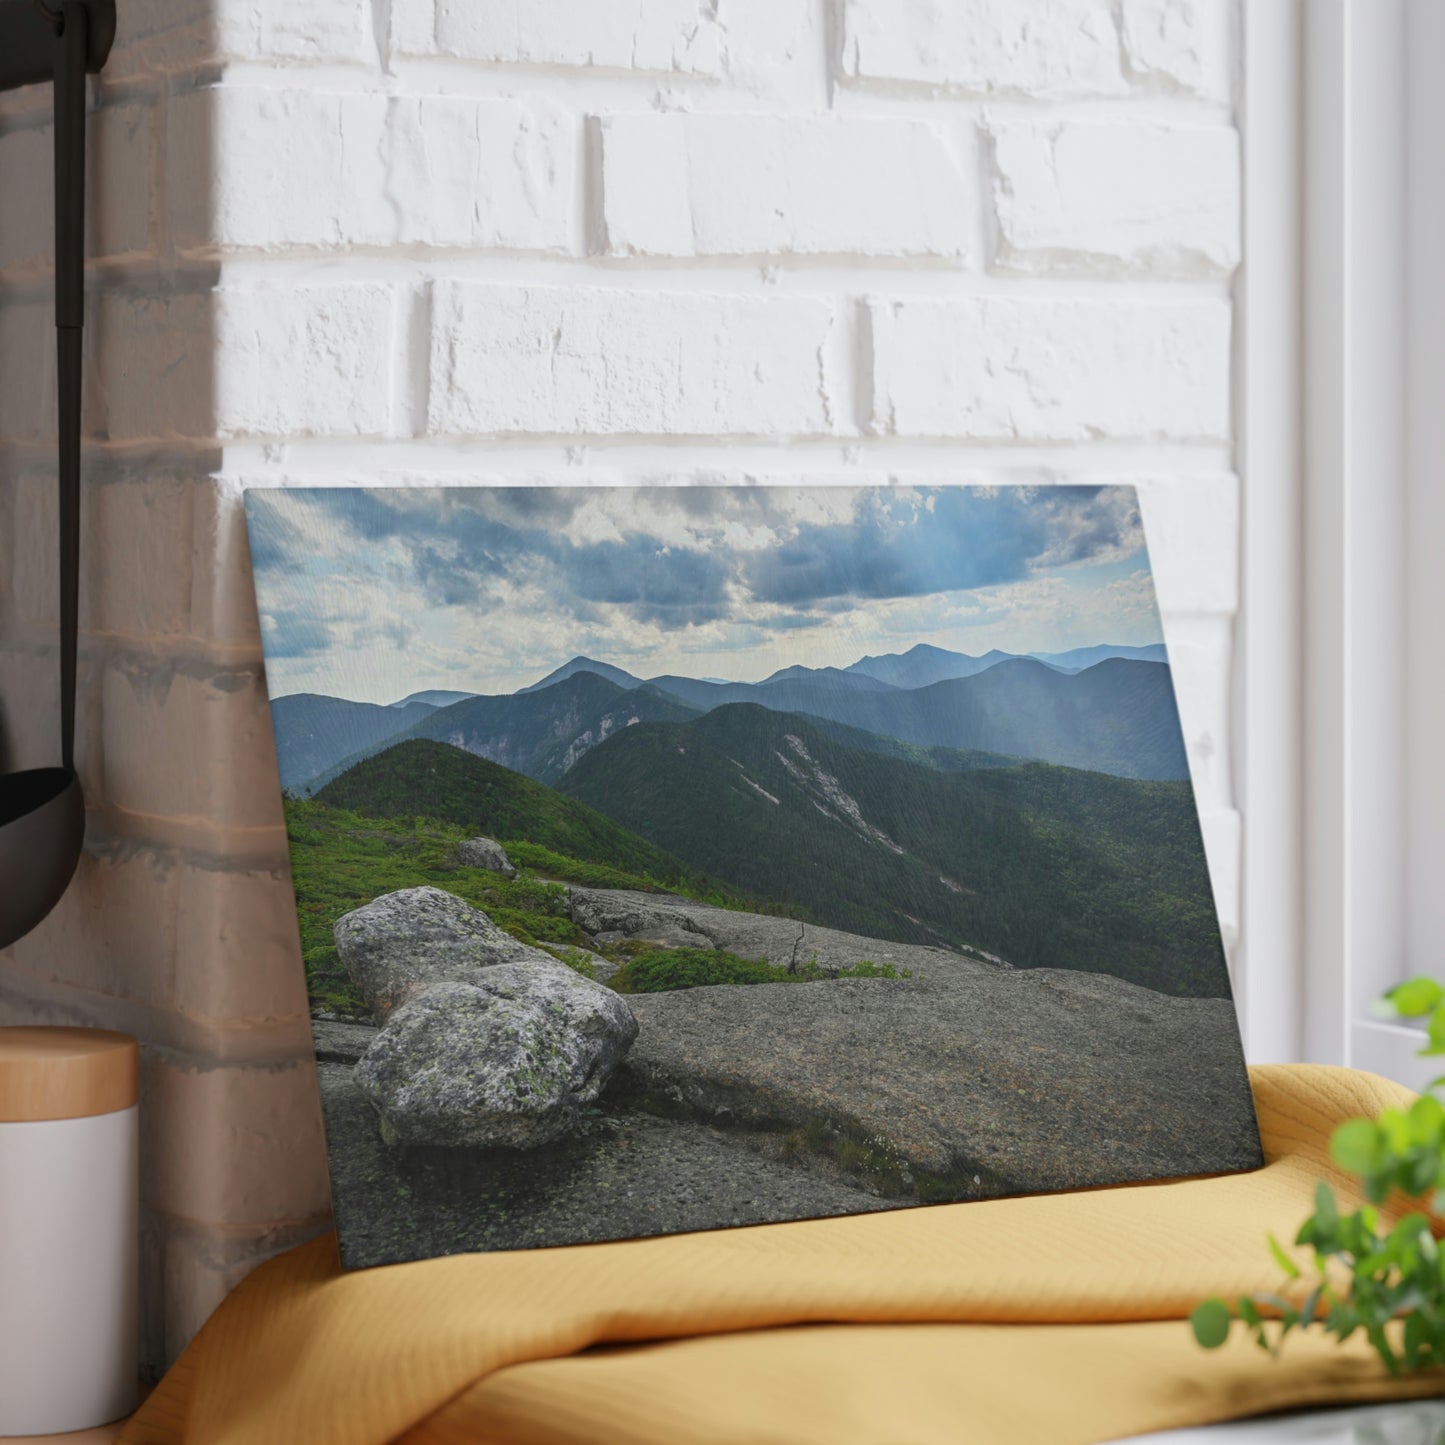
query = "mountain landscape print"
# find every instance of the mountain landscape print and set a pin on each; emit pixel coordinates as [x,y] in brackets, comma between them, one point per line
[675,858]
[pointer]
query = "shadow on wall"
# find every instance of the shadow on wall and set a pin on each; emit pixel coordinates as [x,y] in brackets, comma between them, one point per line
[179,925]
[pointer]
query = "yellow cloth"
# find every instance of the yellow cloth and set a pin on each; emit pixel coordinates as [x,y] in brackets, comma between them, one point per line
[1049,1320]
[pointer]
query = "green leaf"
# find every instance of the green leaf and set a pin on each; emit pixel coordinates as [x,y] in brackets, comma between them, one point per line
[1355,1146]
[1327,1212]
[1282,1259]
[1211,1321]
[1416,997]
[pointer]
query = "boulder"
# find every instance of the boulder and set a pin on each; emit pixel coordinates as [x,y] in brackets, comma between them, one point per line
[411,939]
[506,1061]
[485,853]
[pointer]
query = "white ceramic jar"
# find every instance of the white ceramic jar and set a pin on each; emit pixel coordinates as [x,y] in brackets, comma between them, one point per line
[68,1229]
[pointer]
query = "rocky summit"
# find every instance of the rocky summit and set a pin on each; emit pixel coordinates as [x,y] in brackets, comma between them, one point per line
[485,853]
[962,1081]
[507,1061]
[405,941]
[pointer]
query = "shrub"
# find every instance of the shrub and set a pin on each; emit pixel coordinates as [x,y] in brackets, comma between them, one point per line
[662,970]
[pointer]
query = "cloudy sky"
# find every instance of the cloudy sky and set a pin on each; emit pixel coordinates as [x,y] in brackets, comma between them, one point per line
[376,593]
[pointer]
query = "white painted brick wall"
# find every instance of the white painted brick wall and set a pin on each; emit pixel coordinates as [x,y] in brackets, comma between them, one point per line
[428,242]
[588,360]
[727,185]
[1006,369]
[1113,197]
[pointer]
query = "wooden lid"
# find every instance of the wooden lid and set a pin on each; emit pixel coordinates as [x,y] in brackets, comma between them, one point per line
[56,1073]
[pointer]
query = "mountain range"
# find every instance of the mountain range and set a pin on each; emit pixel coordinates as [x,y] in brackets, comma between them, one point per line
[1115,715]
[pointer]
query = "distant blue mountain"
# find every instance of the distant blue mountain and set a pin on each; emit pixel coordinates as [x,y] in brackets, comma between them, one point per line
[1081,657]
[433,697]
[584,664]
[313,731]
[923,665]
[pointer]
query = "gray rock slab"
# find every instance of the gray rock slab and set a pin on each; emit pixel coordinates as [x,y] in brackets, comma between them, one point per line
[978,1079]
[613,914]
[621,1177]
[417,937]
[506,1061]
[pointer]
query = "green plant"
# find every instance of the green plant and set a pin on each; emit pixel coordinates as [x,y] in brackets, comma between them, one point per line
[1387,1284]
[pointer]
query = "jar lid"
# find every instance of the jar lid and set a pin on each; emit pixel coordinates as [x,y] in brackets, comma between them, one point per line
[59,1073]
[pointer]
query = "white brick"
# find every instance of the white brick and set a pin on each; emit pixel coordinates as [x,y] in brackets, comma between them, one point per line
[118,199]
[266,167]
[27,234]
[114,932]
[191,747]
[1117,197]
[180,35]
[653,35]
[223,600]
[139,580]
[580,359]
[1192,527]
[732,185]
[27,364]
[291,361]
[1037,48]
[233,1145]
[222,917]
[1038,370]
[1178,45]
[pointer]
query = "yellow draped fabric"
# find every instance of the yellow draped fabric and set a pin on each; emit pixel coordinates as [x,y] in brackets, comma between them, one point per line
[1049,1320]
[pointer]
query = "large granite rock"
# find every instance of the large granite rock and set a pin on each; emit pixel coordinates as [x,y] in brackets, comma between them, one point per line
[611,915]
[508,1060]
[485,853]
[967,1079]
[408,940]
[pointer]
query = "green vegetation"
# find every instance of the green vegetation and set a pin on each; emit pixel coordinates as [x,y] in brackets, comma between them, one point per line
[1387,1284]
[664,970]
[342,859]
[1045,866]
[423,779]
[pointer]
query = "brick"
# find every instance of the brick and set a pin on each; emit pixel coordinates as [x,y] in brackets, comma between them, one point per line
[118,199]
[584,359]
[238,951]
[666,36]
[178,745]
[27,364]
[170,36]
[138,585]
[998,369]
[730,185]
[113,935]
[1117,197]
[1191,525]
[140,580]
[223,599]
[208,364]
[1036,48]
[233,1145]
[30,713]
[252,166]
[1178,45]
